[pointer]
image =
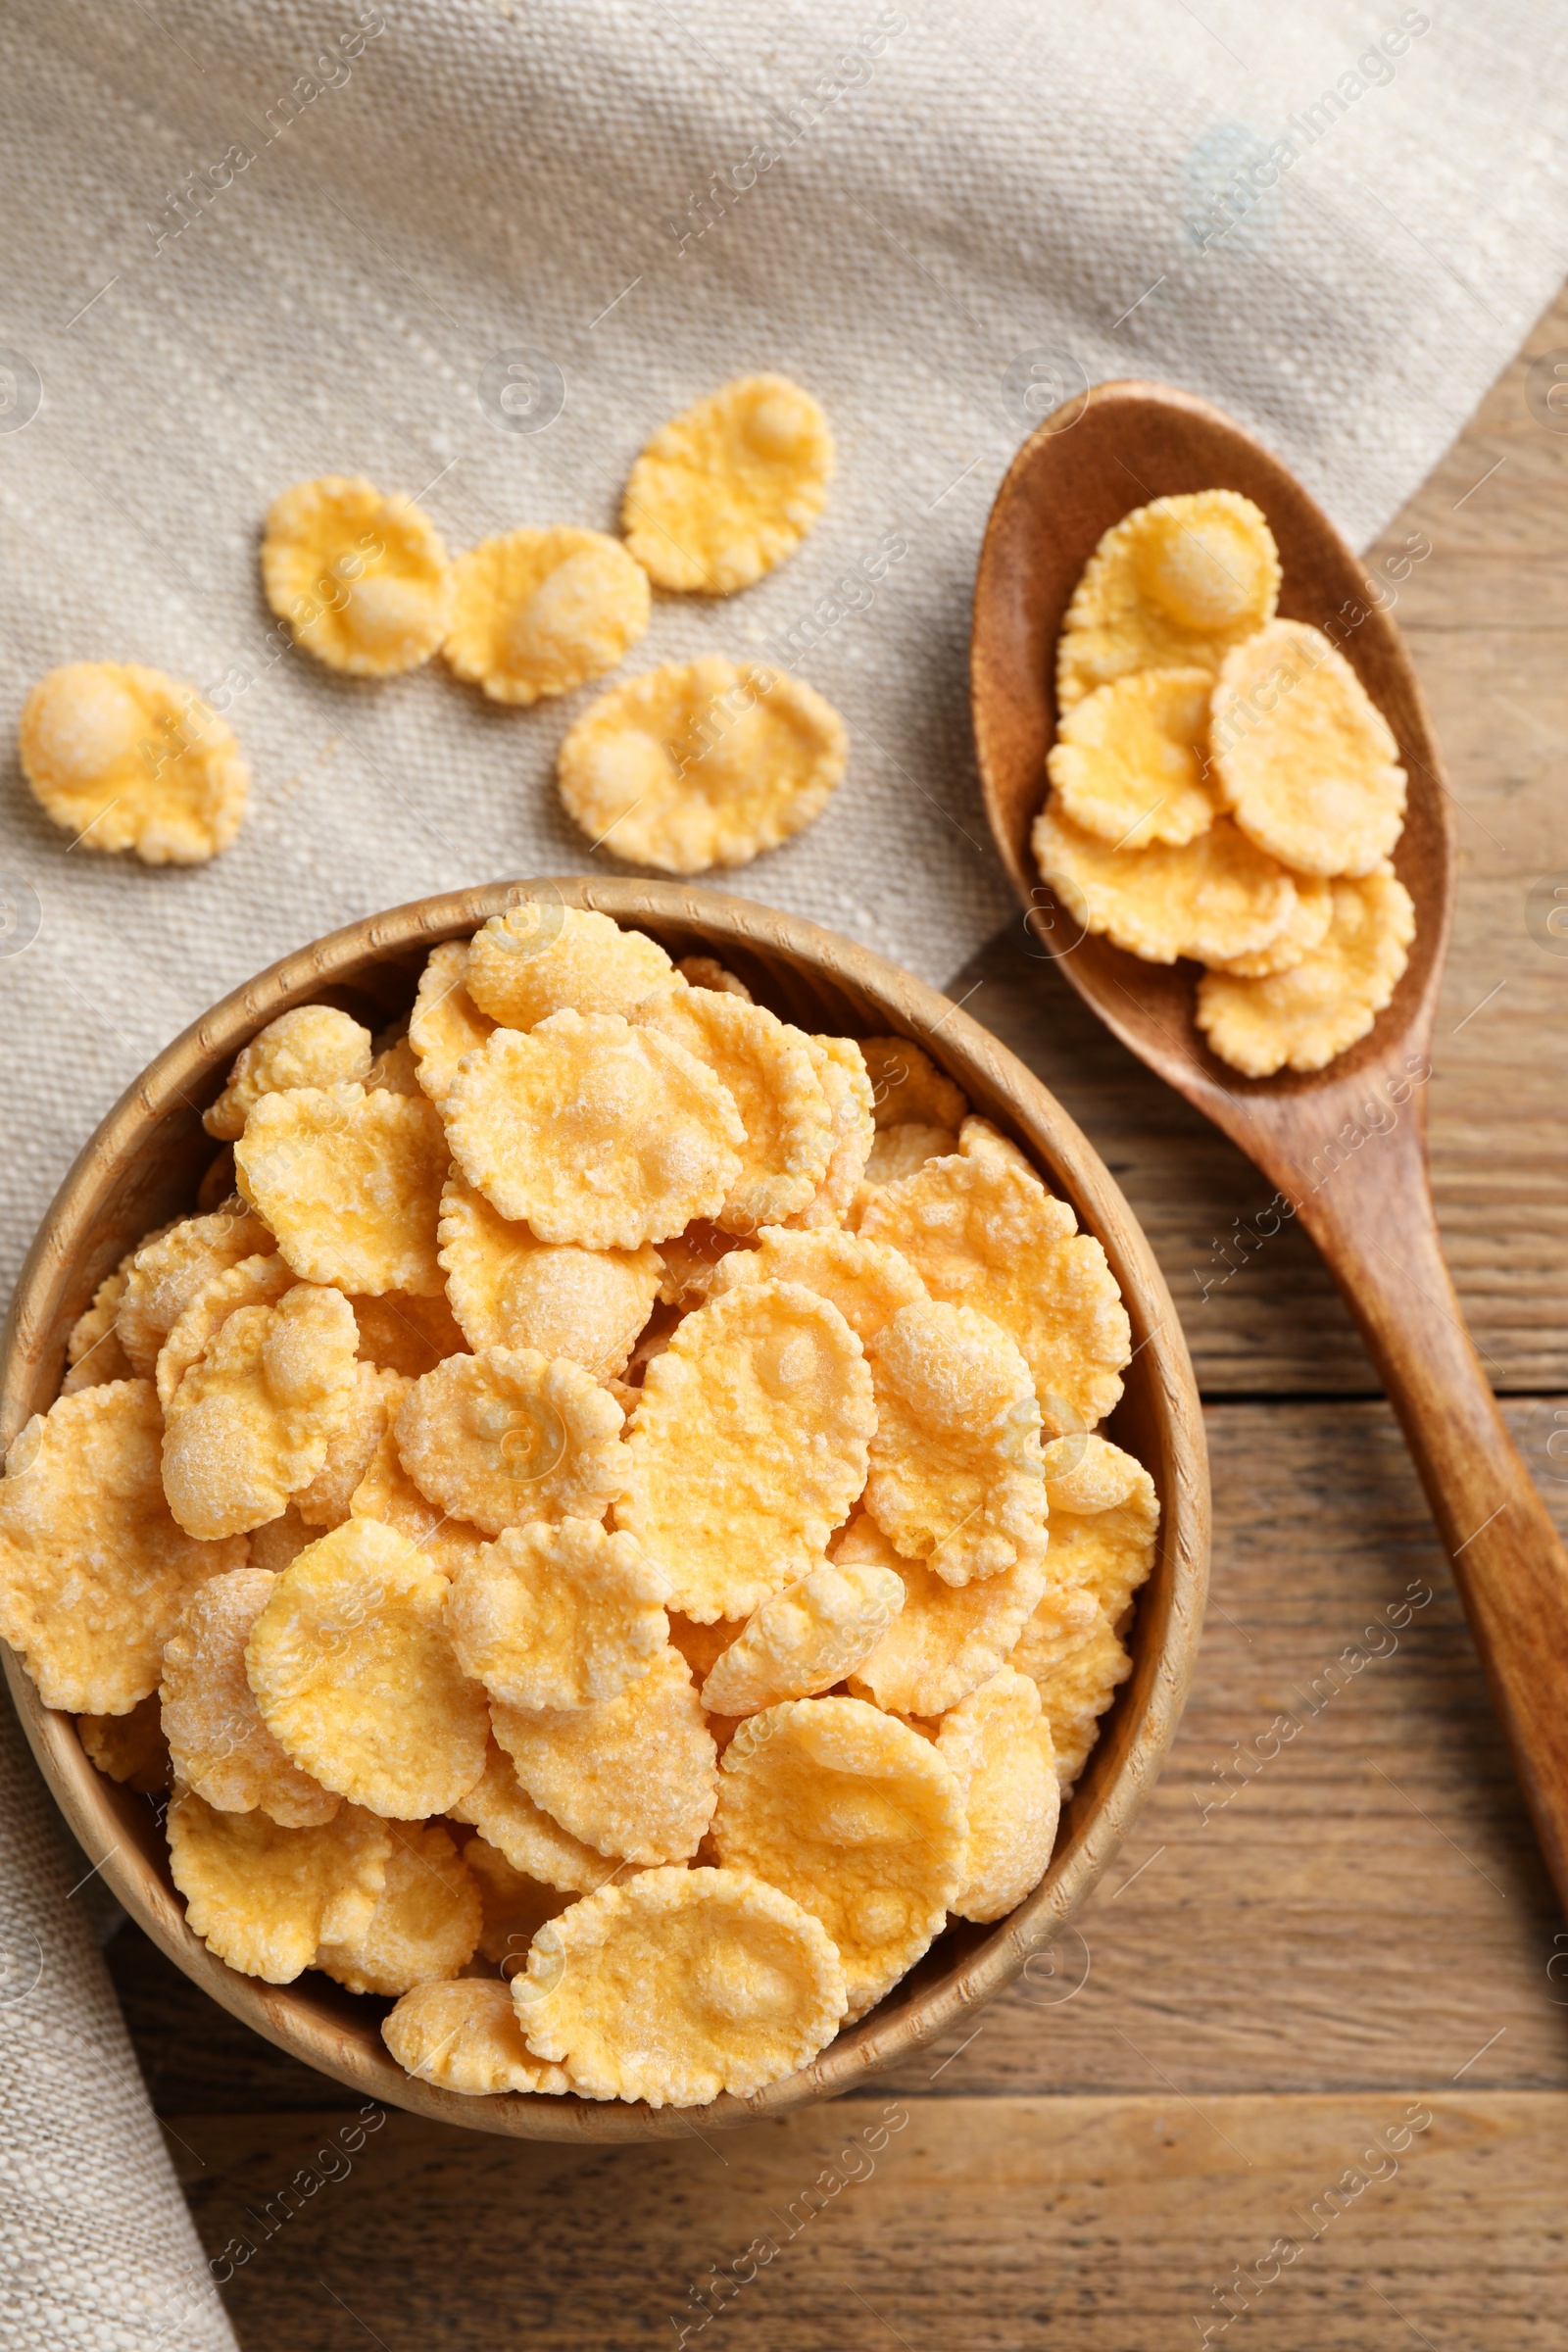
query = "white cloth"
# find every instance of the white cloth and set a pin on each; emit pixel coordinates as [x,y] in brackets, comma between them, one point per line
[232,265]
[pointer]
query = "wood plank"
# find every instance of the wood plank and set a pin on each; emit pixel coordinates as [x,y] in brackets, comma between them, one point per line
[1105,2224]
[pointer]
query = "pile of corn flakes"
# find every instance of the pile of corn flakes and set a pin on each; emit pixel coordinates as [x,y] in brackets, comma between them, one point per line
[1223,789]
[571,1529]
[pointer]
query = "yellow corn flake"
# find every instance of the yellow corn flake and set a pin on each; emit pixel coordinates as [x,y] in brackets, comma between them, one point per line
[902,1150]
[126,758]
[167,1272]
[511,1290]
[702,1646]
[1086,1474]
[261,1280]
[842,1075]
[866,1281]
[95,1353]
[806,1639]
[632,1776]
[702,764]
[464,2037]
[947,1640]
[997,1743]
[388,1493]
[706,972]
[1130,762]
[538,611]
[1172,586]
[507,1435]
[313,1046]
[749,1447]
[93,1569]
[558,1616]
[280,1540]
[1305,758]
[1070,1650]
[264,1897]
[375,1399]
[425,1924]
[955,1470]
[1108,1552]
[514,1905]
[446,1023]
[251,1422]
[906,1087]
[594,1132]
[394,1071]
[531,1840]
[403,1334]
[350,1182]
[767,1068]
[983,1232]
[128,1749]
[680,1985]
[977,1136]
[1301,1019]
[354,1672]
[1212,898]
[362,578]
[691,1260]
[1306,929]
[219,1745]
[858,1818]
[728,488]
[540,958]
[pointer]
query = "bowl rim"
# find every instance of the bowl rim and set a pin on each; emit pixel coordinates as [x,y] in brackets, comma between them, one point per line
[189,1072]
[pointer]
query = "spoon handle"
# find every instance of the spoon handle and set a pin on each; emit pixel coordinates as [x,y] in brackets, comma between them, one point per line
[1375,1224]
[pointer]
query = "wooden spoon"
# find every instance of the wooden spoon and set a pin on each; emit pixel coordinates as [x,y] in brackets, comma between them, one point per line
[1344,1147]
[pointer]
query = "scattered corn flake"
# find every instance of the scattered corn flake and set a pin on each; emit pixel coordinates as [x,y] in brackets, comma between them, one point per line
[729,487]
[1071,1650]
[508,1436]
[405,1334]
[394,1071]
[1172,586]
[947,1639]
[508,1290]
[906,1087]
[632,1776]
[531,1840]
[313,1046]
[264,1897]
[1130,762]
[219,1743]
[679,1985]
[982,1231]
[1304,757]
[350,1182]
[388,1493]
[464,2037]
[702,764]
[95,1353]
[251,1422]
[749,1447]
[1110,1552]
[702,1646]
[997,1743]
[514,1906]
[126,758]
[361,577]
[900,1152]
[1306,929]
[261,1280]
[1301,1019]
[354,1671]
[868,1282]
[767,1068]
[93,1569]
[558,1616]
[842,1075]
[594,1132]
[375,1399]
[691,1260]
[446,1023]
[806,1639]
[427,1922]
[956,1472]
[171,1267]
[706,972]
[857,1818]
[129,1749]
[977,1136]
[1212,898]
[280,1540]
[1085,1473]
[539,610]
[541,957]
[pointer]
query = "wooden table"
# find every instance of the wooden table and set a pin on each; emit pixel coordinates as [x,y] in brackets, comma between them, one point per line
[1329,1933]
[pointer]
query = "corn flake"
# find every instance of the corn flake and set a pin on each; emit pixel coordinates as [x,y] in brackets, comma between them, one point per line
[691,1260]
[311,1046]
[947,1640]
[1305,761]
[1130,760]
[169,1270]
[507,1435]
[261,1280]
[446,1023]
[1172,586]
[126,758]
[464,2037]
[842,1075]
[767,1068]
[866,1281]
[514,1905]
[362,578]
[403,1334]
[531,1840]
[1305,930]
[857,1818]
[280,1540]
[427,1922]
[218,1743]
[538,611]
[374,1403]
[728,488]
[632,1776]
[558,1616]
[702,764]
[906,1087]
[264,1897]
[350,1182]
[749,1447]
[388,1493]
[1070,1650]
[997,1743]
[680,1985]
[1301,1019]
[806,1639]
[1213,899]
[128,1749]
[251,1422]
[511,1290]
[977,1136]
[706,972]
[540,958]
[94,1351]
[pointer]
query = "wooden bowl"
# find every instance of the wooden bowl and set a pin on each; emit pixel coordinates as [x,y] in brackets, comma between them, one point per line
[144,1166]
